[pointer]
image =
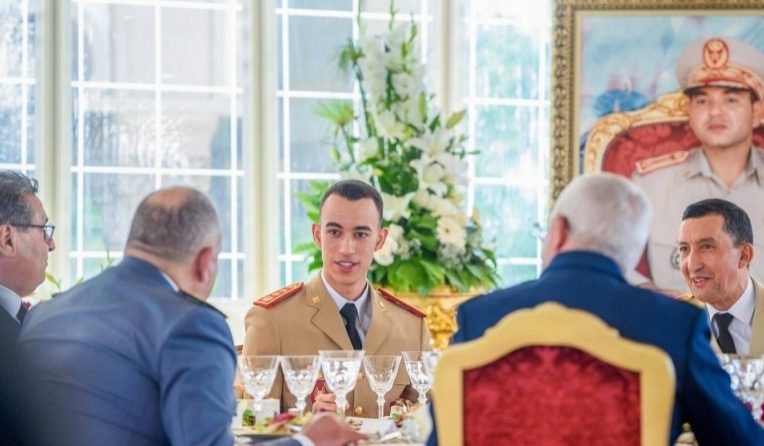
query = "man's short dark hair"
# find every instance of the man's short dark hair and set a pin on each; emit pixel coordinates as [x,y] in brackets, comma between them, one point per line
[736,221]
[695,91]
[15,188]
[173,232]
[354,190]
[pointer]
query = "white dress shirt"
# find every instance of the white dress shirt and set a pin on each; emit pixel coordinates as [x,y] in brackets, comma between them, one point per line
[361,304]
[742,312]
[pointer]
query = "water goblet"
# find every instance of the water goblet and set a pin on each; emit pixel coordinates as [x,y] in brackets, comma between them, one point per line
[381,372]
[748,372]
[300,374]
[430,359]
[421,380]
[341,369]
[258,374]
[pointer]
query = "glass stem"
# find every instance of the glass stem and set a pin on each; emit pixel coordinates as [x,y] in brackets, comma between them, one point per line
[380,406]
[422,400]
[300,406]
[341,402]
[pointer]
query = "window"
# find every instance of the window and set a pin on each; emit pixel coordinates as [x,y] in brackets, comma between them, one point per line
[156,93]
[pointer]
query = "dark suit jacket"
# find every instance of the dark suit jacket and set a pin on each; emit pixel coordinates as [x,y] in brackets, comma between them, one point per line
[9,331]
[126,360]
[592,282]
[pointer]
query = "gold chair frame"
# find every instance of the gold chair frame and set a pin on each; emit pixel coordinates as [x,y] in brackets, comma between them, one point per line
[552,324]
[671,107]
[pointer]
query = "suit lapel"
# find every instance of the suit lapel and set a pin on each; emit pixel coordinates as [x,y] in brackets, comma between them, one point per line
[380,324]
[757,327]
[327,317]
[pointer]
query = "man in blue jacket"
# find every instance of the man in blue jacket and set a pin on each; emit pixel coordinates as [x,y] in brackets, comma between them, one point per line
[598,229]
[135,356]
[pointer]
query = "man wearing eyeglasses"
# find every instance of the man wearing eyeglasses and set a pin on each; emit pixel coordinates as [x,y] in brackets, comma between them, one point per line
[26,238]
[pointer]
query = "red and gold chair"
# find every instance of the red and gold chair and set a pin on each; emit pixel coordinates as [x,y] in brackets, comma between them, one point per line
[553,376]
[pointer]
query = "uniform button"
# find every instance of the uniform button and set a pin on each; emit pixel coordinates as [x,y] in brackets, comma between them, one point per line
[358,411]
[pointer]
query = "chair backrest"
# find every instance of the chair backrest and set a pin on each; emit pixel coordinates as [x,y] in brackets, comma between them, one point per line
[619,140]
[553,376]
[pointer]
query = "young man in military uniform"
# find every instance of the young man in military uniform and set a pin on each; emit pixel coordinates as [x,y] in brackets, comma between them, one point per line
[723,81]
[339,309]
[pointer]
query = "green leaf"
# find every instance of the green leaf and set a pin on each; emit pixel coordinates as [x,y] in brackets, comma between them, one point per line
[50,278]
[336,111]
[455,119]
[434,270]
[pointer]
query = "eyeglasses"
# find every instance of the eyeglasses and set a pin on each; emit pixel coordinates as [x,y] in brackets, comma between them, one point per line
[47,230]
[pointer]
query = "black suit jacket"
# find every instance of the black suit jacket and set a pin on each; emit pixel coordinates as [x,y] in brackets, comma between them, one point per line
[9,331]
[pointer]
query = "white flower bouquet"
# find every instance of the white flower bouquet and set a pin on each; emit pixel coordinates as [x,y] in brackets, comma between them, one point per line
[399,142]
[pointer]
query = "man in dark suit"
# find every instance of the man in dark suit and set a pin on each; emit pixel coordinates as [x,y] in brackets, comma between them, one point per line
[26,238]
[598,229]
[135,356]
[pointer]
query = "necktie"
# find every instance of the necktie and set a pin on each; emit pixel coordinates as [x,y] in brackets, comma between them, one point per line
[22,312]
[724,339]
[349,315]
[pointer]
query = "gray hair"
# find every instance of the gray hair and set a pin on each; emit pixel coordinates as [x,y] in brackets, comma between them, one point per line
[15,187]
[174,231]
[608,214]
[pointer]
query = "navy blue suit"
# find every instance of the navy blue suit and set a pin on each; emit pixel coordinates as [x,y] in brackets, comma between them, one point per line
[126,360]
[592,282]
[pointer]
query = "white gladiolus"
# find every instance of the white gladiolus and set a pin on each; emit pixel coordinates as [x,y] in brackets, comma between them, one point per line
[455,168]
[388,126]
[434,144]
[396,207]
[450,232]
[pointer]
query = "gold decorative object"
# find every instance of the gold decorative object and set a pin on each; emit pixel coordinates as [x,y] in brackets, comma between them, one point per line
[440,309]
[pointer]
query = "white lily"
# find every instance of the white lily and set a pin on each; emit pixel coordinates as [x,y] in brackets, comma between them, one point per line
[397,207]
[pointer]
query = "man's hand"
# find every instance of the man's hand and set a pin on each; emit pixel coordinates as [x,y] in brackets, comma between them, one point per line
[329,430]
[325,402]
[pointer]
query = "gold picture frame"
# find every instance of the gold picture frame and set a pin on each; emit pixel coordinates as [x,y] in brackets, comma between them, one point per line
[575,76]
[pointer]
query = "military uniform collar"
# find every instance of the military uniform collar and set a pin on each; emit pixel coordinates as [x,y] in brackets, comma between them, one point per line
[697,164]
[585,259]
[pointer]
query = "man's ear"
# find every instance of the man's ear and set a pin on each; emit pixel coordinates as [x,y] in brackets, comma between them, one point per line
[381,238]
[315,229]
[203,264]
[559,232]
[746,255]
[7,240]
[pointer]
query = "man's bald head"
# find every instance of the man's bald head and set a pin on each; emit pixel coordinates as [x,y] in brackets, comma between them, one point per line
[174,223]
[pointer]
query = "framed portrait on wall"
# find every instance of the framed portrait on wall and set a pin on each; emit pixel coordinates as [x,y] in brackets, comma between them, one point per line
[617,59]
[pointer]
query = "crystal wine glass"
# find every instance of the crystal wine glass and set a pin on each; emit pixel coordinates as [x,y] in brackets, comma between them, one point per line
[300,374]
[381,372]
[341,369]
[421,380]
[258,374]
[747,371]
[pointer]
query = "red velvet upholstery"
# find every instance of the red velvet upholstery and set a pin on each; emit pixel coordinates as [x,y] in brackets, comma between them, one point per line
[551,396]
[649,140]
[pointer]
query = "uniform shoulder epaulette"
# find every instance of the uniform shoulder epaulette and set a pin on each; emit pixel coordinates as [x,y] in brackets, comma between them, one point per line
[390,297]
[690,299]
[280,295]
[199,301]
[648,165]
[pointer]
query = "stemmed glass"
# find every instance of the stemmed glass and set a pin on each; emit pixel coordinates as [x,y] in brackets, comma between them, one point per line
[746,373]
[341,369]
[257,374]
[421,377]
[300,374]
[381,371]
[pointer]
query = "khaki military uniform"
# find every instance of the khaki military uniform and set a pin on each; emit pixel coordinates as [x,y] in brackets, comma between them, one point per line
[308,320]
[674,181]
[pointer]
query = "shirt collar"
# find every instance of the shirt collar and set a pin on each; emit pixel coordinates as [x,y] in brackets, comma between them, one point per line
[698,165]
[170,281]
[361,304]
[742,309]
[9,301]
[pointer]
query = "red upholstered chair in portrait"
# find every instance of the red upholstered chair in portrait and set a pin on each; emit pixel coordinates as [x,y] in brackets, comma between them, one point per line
[553,376]
[619,140]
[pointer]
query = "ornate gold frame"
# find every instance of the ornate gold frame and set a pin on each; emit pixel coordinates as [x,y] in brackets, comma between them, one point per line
[553,324]
[566,57]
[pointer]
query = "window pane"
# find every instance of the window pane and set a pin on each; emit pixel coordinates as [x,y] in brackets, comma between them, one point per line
[10,123]
[194,47]
[118,43]
[11,37]
[310,138]
[507,62]
[314,46]
[337,5]
[119,128]
[507,215]
[506,139]
[514,274]
[196,130]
